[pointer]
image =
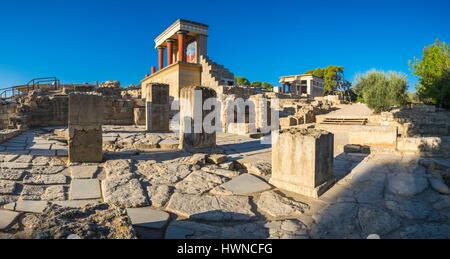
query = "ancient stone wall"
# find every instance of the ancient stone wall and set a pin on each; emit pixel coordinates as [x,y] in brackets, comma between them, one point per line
[7,110]
[118,111]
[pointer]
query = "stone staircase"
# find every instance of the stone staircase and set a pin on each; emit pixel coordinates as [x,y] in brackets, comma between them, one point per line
[215,75]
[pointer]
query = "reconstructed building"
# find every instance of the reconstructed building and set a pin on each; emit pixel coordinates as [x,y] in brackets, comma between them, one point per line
[183,60]
[303,84]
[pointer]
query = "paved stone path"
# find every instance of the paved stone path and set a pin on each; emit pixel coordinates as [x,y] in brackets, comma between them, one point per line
[174,194]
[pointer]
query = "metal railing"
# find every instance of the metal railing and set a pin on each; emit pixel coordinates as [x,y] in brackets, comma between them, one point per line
[36,83]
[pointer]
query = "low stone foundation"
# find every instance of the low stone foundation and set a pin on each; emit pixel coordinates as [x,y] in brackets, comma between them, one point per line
[302,161]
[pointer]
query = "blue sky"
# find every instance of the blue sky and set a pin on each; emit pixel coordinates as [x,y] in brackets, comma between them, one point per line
[97,40]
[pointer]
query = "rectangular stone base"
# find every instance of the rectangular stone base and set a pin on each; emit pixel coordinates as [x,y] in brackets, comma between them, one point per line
[85,144]
[303,190]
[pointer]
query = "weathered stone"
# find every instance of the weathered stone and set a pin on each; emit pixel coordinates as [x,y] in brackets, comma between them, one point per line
[198,159]
[7,187]
[33,193]
[157,107]
[408,209]
[160,195]
[24,159]
[45,179]
[7,218]
[75,204]
[8,158]
[285,229]
[31,206]
[83,171]
[426,231]
[85,128]
[375,220]
[338,221]
[169,143]
[119,166]
[54,193]
[13,165]
[438,184]
[85,189]
[217,158]
[302,161]
[256,167]
[192,102]
[48,170]
[5,199]
[148,143]
[199,182]
[40,161]
[224,172]
[99,221]
[245,184]
[124,191]
[278,206]
[164,174]
[211,208]
[12,174]
[148,217]
[407,184]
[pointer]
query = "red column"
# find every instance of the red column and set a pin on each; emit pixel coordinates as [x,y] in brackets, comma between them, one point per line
[169,52]
[182,46]
[153,70]
[160,58]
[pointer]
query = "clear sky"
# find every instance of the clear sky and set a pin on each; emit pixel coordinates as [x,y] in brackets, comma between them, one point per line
[97,40]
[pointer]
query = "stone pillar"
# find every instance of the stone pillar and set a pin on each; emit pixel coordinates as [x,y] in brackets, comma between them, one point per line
[139,116]
[160,58]
[169,52]
[85,128]
[192,115]
[157,107]
[182,46]
[302,161]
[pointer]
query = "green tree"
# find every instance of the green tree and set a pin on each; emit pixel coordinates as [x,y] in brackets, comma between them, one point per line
[333,77]
[242,81]
[267,86]
[381,90]
[433,71]
[256,84]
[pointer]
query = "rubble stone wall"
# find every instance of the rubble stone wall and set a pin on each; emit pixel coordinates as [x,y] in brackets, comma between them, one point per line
[7,110]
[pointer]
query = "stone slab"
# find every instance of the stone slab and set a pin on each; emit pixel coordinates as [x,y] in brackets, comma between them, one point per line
[246,184]
[83,171]
[13,165]
[7,218]
[31,206]
[148,217]
[85,189]
[75,204]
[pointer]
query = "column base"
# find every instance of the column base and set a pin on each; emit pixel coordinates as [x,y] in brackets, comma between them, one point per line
[313,192]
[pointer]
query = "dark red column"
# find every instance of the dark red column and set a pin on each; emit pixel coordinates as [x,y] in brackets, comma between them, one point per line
[153,70]
[182,46]
[160,58]
[170,52]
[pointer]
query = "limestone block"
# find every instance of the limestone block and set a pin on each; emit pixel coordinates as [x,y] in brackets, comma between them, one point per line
[302,161]
[157,107]
[85,128]
[139,116]
[192,132]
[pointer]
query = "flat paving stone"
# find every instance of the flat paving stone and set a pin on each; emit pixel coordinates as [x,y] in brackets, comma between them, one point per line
[30,206]
[75,204]
[45,179]
[246,184]
[148,217]
[43,152]
[169,143]
[12,174]
[83,171]
[24,159]
[7,218]
[7,187]
[8,158]
[85,189]
[13,165]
